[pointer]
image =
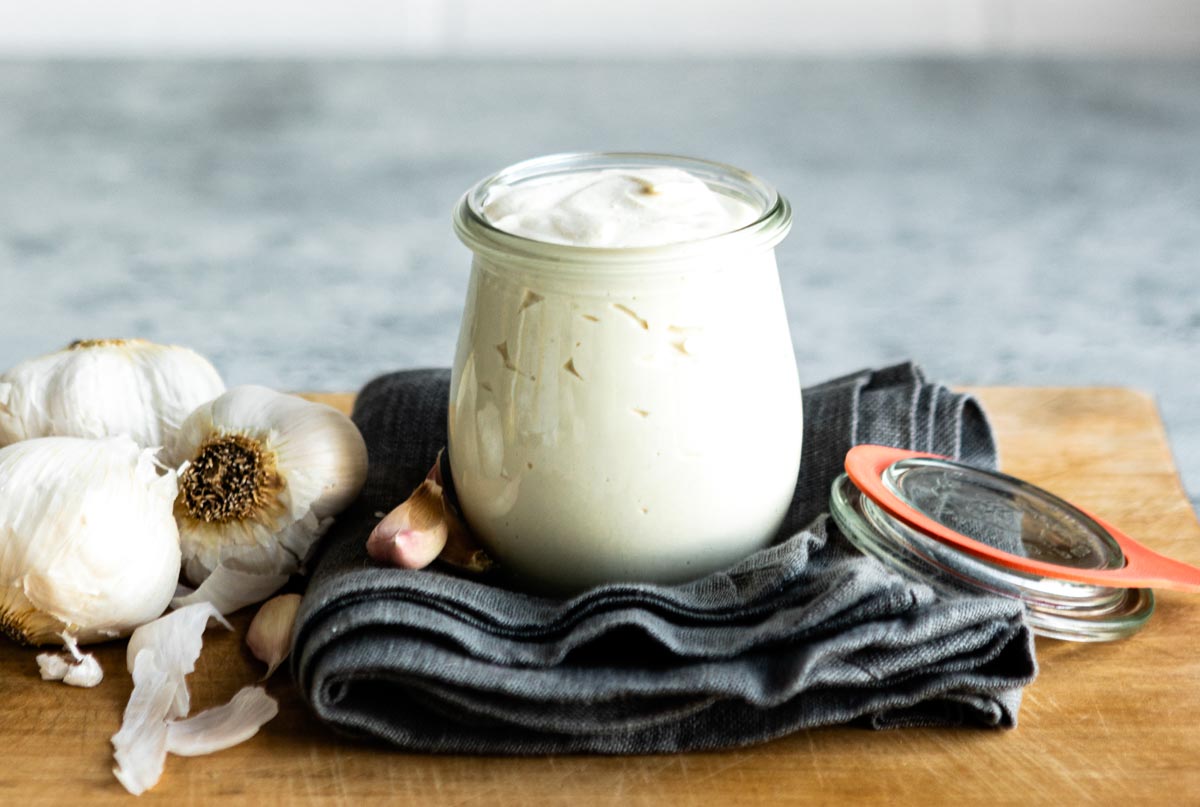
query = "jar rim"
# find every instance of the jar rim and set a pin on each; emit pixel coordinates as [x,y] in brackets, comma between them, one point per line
[483,237]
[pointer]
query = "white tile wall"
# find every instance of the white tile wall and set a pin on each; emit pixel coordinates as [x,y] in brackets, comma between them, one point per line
[708,26]
[1120,26]
[595,27]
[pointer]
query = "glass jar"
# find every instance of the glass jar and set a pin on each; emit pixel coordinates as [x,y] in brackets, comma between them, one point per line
[622,414]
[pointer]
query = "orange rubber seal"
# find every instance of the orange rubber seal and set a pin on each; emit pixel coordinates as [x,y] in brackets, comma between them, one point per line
[1144,568]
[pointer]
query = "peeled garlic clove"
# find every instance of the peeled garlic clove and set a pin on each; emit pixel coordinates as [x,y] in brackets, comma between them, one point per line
[265,472]
[269,636]
[222,726]
[412,535]
[88,542]
[105,387]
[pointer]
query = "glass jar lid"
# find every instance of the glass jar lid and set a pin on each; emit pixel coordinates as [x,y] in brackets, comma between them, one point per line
[1055,608]
[961,528]
[1003,512]
[1009,522]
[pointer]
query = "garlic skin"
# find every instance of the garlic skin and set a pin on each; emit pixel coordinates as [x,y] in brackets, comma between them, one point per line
[82,672]
[88,542]
[160,655]
[105,387]
[222,726]
[261,474]
[228,589]
[73,667]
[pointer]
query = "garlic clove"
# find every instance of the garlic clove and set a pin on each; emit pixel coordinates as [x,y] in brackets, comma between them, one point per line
[176,639]
[89,541]
[222,726]
[269,636]
[140,747]
[413,534]
[230,589]
[105,387]
[261,475]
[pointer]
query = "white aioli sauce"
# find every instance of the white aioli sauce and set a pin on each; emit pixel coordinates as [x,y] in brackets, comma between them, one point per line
[615,208]
[629,425]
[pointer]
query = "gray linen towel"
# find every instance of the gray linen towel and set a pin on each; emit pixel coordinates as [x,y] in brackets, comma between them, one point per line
[807,632]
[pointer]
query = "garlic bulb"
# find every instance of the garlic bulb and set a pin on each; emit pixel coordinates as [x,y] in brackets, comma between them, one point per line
[261,475]
[105,387]
[88,544]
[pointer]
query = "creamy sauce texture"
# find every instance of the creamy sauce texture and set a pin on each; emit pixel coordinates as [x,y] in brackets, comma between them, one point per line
[616,208]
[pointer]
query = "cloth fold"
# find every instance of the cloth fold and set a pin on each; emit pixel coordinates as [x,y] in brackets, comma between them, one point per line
[807,632]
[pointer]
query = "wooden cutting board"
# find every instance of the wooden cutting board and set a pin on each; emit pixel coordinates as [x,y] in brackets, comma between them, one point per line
[1106,723]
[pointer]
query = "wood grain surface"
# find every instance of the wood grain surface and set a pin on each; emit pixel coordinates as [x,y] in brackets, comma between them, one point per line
[1104,723]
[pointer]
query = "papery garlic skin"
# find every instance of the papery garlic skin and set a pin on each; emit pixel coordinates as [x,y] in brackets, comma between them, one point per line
[160,655]
[88,541]
[222,726]
[73,667]
[82,672]
[229,589]
[177,639]
[105,387]
[265,473]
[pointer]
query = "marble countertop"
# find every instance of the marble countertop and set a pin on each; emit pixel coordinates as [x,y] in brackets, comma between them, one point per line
[1002,222]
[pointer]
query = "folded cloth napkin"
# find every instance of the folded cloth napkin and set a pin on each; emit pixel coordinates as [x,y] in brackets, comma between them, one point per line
[808,632]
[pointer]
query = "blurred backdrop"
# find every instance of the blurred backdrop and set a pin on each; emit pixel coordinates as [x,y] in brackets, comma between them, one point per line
[610,29]
[1007,191]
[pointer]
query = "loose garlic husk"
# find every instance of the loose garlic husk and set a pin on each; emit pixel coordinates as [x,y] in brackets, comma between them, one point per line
[105,387]
[73,668]
[160,656]
[265,473]
[88,542]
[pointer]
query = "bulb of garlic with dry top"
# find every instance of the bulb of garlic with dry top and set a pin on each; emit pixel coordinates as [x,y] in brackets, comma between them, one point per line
[88,542]
[264,475]
[105,387]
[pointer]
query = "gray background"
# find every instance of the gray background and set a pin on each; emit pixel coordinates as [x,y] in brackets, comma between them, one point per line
[1000,221]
